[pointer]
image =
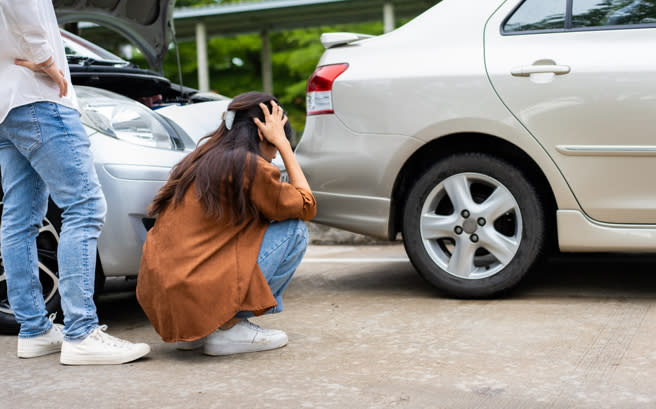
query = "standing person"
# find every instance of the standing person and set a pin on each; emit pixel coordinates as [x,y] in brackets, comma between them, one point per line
[228,236]
[45,150]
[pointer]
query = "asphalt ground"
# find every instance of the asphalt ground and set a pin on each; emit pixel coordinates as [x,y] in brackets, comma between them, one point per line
[365,331]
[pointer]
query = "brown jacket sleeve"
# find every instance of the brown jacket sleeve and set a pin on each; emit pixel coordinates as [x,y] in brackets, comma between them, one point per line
[279,200]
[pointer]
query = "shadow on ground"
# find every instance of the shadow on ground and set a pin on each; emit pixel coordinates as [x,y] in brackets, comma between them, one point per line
[563,276]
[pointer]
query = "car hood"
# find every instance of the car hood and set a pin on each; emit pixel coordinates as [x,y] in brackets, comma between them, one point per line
[144,22]
[197,120]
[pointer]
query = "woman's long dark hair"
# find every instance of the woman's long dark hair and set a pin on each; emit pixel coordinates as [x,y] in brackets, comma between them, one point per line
[221,164]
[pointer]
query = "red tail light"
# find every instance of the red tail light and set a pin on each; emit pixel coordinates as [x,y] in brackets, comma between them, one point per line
[320,86]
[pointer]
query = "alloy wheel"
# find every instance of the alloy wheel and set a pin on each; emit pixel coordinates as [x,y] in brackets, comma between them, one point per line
[471,225]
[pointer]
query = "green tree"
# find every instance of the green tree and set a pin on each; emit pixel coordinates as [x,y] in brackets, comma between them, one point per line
[195,3]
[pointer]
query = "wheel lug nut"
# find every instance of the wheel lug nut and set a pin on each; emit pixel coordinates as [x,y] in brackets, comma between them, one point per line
[465,213]
[481,221]
[474,238]
[458,230]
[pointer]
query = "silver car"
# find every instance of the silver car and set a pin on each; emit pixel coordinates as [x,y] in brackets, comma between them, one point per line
[488,132]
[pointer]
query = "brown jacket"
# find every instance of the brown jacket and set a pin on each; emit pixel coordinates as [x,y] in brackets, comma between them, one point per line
[197,272]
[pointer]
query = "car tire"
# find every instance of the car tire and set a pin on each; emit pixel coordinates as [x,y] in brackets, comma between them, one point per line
[47,244]
[473,225]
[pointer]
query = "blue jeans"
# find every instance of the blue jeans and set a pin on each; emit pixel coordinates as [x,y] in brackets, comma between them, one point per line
[280,254]
[45,150]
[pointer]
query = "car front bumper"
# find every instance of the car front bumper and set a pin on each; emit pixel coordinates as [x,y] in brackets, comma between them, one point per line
[130,177]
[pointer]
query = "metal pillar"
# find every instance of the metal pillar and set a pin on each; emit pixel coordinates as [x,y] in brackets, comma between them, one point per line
[267,65]
[388,17]
[201,57]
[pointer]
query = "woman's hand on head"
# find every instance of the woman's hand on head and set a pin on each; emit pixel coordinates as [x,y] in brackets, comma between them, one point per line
[273,128]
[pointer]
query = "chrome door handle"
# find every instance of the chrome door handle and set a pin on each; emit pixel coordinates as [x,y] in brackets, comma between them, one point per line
[527,70]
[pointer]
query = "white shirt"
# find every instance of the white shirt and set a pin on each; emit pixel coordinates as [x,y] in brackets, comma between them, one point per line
[29,31]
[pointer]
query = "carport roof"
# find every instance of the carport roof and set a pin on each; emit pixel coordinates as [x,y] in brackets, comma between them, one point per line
[274,15]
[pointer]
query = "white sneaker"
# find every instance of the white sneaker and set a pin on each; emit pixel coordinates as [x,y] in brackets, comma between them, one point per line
[100,348]
[45,344]
[243,337]
[189,345]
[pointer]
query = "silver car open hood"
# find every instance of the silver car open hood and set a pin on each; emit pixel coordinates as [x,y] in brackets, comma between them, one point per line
[144,22]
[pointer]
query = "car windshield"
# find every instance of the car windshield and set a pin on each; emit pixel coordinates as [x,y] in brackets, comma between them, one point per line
[78,47]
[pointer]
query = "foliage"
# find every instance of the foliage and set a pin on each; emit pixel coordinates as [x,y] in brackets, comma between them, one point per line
[194,3]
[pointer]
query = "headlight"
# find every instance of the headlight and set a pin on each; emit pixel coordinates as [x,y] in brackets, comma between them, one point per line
[122,118]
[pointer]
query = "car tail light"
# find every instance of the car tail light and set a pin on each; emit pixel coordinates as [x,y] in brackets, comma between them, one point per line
[320,86]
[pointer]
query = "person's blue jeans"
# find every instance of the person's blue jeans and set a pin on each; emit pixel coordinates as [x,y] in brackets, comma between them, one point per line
[281,252]
[45,150]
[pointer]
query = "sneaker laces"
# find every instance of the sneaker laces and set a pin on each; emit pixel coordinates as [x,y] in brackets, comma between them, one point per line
[252,325]
[100,335]
[52,317]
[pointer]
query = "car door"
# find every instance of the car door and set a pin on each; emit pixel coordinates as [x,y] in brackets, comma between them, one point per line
[580,75]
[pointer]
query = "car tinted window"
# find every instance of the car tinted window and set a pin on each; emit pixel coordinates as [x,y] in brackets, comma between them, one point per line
[596,13]
[537,15]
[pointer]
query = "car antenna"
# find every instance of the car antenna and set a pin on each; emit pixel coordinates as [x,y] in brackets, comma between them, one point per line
[177,58]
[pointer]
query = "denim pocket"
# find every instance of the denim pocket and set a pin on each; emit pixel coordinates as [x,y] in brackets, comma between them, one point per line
[24,128]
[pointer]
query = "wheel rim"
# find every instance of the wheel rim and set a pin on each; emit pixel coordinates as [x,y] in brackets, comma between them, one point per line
[471,225]
[47,242]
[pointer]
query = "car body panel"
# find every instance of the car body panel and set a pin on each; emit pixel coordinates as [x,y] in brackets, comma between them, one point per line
[130,176]
[411,61]
[352,187]
[413,87]
[381,138]
[612,143]
[579,233]
[365,164]
[143,22]
[197,120]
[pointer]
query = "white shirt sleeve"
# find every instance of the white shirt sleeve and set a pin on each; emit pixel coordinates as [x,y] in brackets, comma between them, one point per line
[32,31]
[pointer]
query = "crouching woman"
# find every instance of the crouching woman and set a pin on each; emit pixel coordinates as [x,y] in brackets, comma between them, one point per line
[229,234]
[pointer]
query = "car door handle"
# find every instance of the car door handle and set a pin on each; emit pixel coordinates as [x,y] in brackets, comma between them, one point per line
[527,70]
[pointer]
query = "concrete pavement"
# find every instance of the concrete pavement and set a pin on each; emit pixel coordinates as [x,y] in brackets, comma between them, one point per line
[366,331]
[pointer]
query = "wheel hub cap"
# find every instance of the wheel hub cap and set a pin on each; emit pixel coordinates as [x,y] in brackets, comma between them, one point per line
[470,226]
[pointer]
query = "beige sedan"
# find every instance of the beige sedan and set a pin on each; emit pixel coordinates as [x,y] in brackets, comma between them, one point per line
[488,133]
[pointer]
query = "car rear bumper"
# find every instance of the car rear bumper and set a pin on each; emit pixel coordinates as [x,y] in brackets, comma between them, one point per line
[352,174]
[360,214]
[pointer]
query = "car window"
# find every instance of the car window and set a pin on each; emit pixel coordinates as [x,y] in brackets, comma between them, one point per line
[597,13]
[537,15]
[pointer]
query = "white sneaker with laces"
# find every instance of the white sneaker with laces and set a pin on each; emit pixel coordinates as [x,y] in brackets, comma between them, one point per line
[189,345]
[243,337]
[100,348]
[44,344]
